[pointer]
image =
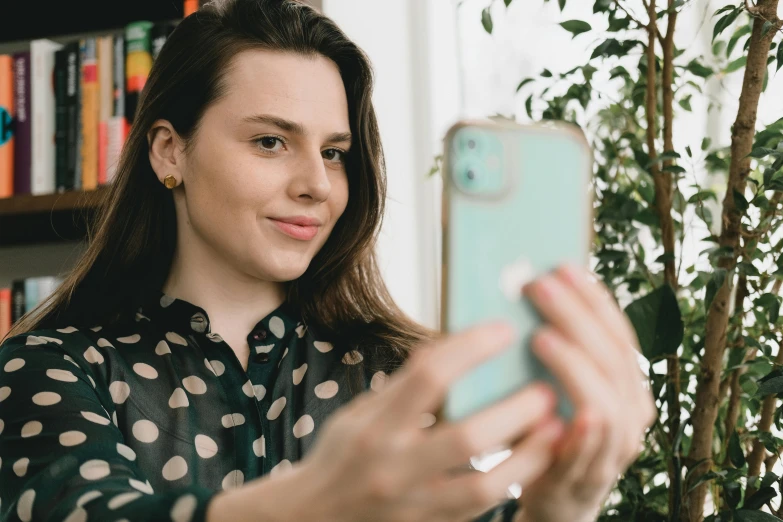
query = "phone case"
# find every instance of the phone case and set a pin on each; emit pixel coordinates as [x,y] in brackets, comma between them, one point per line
[516,204]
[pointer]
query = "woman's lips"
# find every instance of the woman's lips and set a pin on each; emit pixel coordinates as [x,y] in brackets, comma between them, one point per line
[301,232]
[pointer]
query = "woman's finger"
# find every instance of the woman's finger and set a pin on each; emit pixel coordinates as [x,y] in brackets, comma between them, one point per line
[578,450]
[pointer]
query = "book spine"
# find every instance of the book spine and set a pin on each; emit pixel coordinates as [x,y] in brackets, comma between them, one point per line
[117,123]
[6,126]
[73,156]
[30,293]
[138,62]
[89,115]
[43,107]
[23,146]
[18,300]
[5,312]
[105,102]
[61,119]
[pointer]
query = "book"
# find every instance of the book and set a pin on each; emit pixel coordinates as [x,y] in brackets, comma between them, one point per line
[22,124]
[61,119]
[6,126]
[138,62]
[5,312]
[42,167]
[18,300]
[73,116]
[117,122]
[89,112]
[105,51]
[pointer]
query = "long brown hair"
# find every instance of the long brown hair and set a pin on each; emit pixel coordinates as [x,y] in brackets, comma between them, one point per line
[131,243]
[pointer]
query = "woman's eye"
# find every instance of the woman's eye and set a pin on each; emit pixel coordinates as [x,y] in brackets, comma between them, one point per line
[334,155]
[267,143]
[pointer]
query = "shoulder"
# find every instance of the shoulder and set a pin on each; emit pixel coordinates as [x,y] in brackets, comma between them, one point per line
[68,342]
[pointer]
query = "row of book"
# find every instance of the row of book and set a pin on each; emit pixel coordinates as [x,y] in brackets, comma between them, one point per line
[66,109]
[24,295]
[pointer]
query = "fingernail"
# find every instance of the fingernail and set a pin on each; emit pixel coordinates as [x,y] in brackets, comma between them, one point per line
[546,287]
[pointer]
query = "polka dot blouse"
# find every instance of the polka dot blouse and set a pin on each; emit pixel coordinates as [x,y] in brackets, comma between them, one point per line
[149,419]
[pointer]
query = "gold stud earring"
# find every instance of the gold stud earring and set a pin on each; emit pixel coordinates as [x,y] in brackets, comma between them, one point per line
[170,181]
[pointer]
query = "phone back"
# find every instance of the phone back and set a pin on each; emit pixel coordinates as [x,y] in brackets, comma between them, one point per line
[516,204]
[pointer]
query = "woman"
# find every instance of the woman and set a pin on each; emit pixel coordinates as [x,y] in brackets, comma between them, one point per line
[221,351]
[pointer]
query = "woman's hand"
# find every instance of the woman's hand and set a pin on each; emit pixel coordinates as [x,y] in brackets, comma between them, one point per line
[590,346]
[374,460]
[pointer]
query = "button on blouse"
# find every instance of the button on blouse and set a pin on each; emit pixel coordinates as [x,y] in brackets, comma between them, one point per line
[148,419]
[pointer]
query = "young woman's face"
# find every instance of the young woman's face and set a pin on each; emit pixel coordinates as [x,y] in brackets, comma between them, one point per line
[265,180]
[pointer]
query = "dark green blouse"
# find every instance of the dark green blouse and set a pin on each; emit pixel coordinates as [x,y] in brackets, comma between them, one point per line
[149,419]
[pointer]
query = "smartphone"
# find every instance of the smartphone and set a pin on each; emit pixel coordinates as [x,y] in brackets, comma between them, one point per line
[516,204]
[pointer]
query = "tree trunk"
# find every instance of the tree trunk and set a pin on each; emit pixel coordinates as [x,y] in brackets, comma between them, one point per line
[706,405]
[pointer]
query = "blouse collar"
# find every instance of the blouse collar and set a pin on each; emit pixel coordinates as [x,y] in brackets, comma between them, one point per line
[177,313]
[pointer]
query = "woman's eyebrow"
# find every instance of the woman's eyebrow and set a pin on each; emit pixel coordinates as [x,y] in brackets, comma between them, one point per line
[293,127]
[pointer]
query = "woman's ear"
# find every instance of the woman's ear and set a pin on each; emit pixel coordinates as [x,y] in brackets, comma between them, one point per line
[165,151]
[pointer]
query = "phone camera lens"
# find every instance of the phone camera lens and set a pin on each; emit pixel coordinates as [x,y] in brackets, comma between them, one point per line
[471,175]
[471,144]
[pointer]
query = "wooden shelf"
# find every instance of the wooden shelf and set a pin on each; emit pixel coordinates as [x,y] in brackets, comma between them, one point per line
[28,220]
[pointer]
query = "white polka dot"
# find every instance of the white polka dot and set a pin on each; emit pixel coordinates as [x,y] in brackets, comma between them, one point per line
[104,343]
[2,425]
[14,364]
[264,349]
[183,508]
[20,466]
[67,330]
[94,469]
[215,366]
[166,300]
[119,391]
[145,431]
[72,438]
[34,340]
[162,348]
[77,515]
[114,418]
[234,479]
[93,356]
[259,447]
[5,391]
[96,328]
[247,388]
[205,447]
[131,339]
[69,359]
[326,390]
[285,352]
[282,467]
[144,487]
[299,373]
[145,370]
[378,381]
[126,451]
[46,398]
[194,385]
[24,507]
[31,429]
[178,399]
[233,419]
[176,338]
[304,426]
[323,346]
[352,357]
[94,417]
[122,499]
[175,468]
[277,327]
[300,330]
[214,337]
[259,391]
[91,381]
[276,408]
[61,375]
[90,495]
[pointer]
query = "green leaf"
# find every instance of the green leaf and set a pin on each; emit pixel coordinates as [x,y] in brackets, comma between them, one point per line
[766,28]
[744,515]
[676,169]
[529,106]
[685,103]
[780,58]
[739,33]
[705,143]
[771,386]
[732,491]
[576,27]
[702,195]
[761,152]
[524,82]
[740,202]
[759,498]
[507,2]
[735,451]
[562,4]
[725,22]
[696,68]
[657,320]
[546,73]
[737,64]
[486,20]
